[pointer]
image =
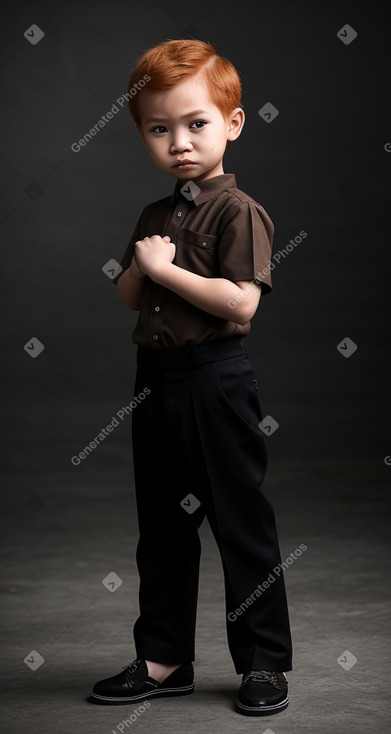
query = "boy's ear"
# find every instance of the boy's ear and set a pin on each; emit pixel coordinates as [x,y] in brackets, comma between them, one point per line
[235,123]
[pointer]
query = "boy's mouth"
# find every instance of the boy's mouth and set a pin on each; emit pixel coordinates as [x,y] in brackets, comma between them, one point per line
[182,165]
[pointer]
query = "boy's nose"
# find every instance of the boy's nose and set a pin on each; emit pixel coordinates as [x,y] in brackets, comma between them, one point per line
[179,144]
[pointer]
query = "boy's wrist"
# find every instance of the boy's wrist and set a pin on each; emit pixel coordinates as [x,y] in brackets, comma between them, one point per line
[161,276]
[135,271]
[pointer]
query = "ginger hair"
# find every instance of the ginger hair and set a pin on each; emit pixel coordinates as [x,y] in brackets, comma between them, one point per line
[173,61]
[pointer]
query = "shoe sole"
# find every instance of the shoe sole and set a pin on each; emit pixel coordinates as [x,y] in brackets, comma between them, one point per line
[159,693]
[262,710]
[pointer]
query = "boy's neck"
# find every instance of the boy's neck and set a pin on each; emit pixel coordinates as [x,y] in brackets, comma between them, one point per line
[182,182]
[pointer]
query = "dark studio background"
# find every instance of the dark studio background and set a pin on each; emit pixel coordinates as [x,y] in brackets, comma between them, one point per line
[322,166]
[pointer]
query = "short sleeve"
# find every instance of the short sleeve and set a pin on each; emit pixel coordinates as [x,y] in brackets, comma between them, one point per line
[129,252]
[245,245]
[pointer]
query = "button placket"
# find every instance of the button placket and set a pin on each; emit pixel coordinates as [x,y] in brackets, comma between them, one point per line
[157,320]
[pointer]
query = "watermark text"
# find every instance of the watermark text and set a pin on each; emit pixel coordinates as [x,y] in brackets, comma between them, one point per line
[114,423]
[76,147]
[272,577]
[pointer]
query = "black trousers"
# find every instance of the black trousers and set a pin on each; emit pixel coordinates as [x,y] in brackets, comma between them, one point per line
[198,451]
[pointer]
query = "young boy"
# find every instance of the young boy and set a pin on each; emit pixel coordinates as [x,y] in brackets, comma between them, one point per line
[195,268]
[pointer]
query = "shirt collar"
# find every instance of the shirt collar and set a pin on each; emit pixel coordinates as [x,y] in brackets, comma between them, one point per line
[209,189]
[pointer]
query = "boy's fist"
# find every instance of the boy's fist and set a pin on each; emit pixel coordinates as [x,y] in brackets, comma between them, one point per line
[153,253]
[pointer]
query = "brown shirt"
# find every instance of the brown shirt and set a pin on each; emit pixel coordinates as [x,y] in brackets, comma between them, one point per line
[219,232]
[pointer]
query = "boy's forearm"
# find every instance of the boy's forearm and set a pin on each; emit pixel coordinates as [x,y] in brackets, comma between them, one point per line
[217,296]
[130,287]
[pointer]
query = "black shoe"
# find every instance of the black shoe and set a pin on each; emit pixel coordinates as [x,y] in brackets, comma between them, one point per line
[262,693]
[134,684]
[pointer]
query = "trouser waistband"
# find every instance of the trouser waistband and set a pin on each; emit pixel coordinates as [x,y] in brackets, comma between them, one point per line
[193,355]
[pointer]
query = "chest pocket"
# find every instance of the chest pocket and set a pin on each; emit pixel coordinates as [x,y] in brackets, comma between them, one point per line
[197,252]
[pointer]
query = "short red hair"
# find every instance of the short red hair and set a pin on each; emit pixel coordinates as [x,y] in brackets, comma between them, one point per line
[173,61]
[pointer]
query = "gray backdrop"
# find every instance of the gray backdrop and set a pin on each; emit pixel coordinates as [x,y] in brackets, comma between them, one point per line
[320,166]
[319,342]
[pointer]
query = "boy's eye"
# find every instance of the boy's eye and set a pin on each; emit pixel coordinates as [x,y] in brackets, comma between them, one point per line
[197,125]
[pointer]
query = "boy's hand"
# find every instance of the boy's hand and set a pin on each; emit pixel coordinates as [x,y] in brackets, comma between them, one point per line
[135,270]
[153,253]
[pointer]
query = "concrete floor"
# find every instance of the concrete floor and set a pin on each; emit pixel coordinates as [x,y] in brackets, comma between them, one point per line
[58,545]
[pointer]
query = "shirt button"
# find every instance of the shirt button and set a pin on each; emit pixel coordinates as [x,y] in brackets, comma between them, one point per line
[155,337]
[204,244]
[157,308]
[179,214]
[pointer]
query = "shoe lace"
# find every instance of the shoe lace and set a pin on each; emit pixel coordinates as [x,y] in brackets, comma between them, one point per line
[262,676]
[131,668]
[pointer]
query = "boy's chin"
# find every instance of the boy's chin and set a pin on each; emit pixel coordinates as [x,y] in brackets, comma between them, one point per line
[182,175]
[192,175]
[186,175]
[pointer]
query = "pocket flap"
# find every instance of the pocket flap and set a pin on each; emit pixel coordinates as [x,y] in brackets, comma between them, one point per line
[197,238]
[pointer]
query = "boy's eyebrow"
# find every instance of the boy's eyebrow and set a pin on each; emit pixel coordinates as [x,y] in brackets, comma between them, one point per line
[188,114]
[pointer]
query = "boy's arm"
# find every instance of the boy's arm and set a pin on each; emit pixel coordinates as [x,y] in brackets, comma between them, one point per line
[130,286]
[218,296]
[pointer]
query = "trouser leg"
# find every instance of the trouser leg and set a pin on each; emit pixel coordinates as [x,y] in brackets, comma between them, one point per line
[168,551]
[225,451]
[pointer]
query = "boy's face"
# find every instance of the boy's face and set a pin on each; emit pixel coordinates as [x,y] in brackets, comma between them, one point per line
[183,124]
